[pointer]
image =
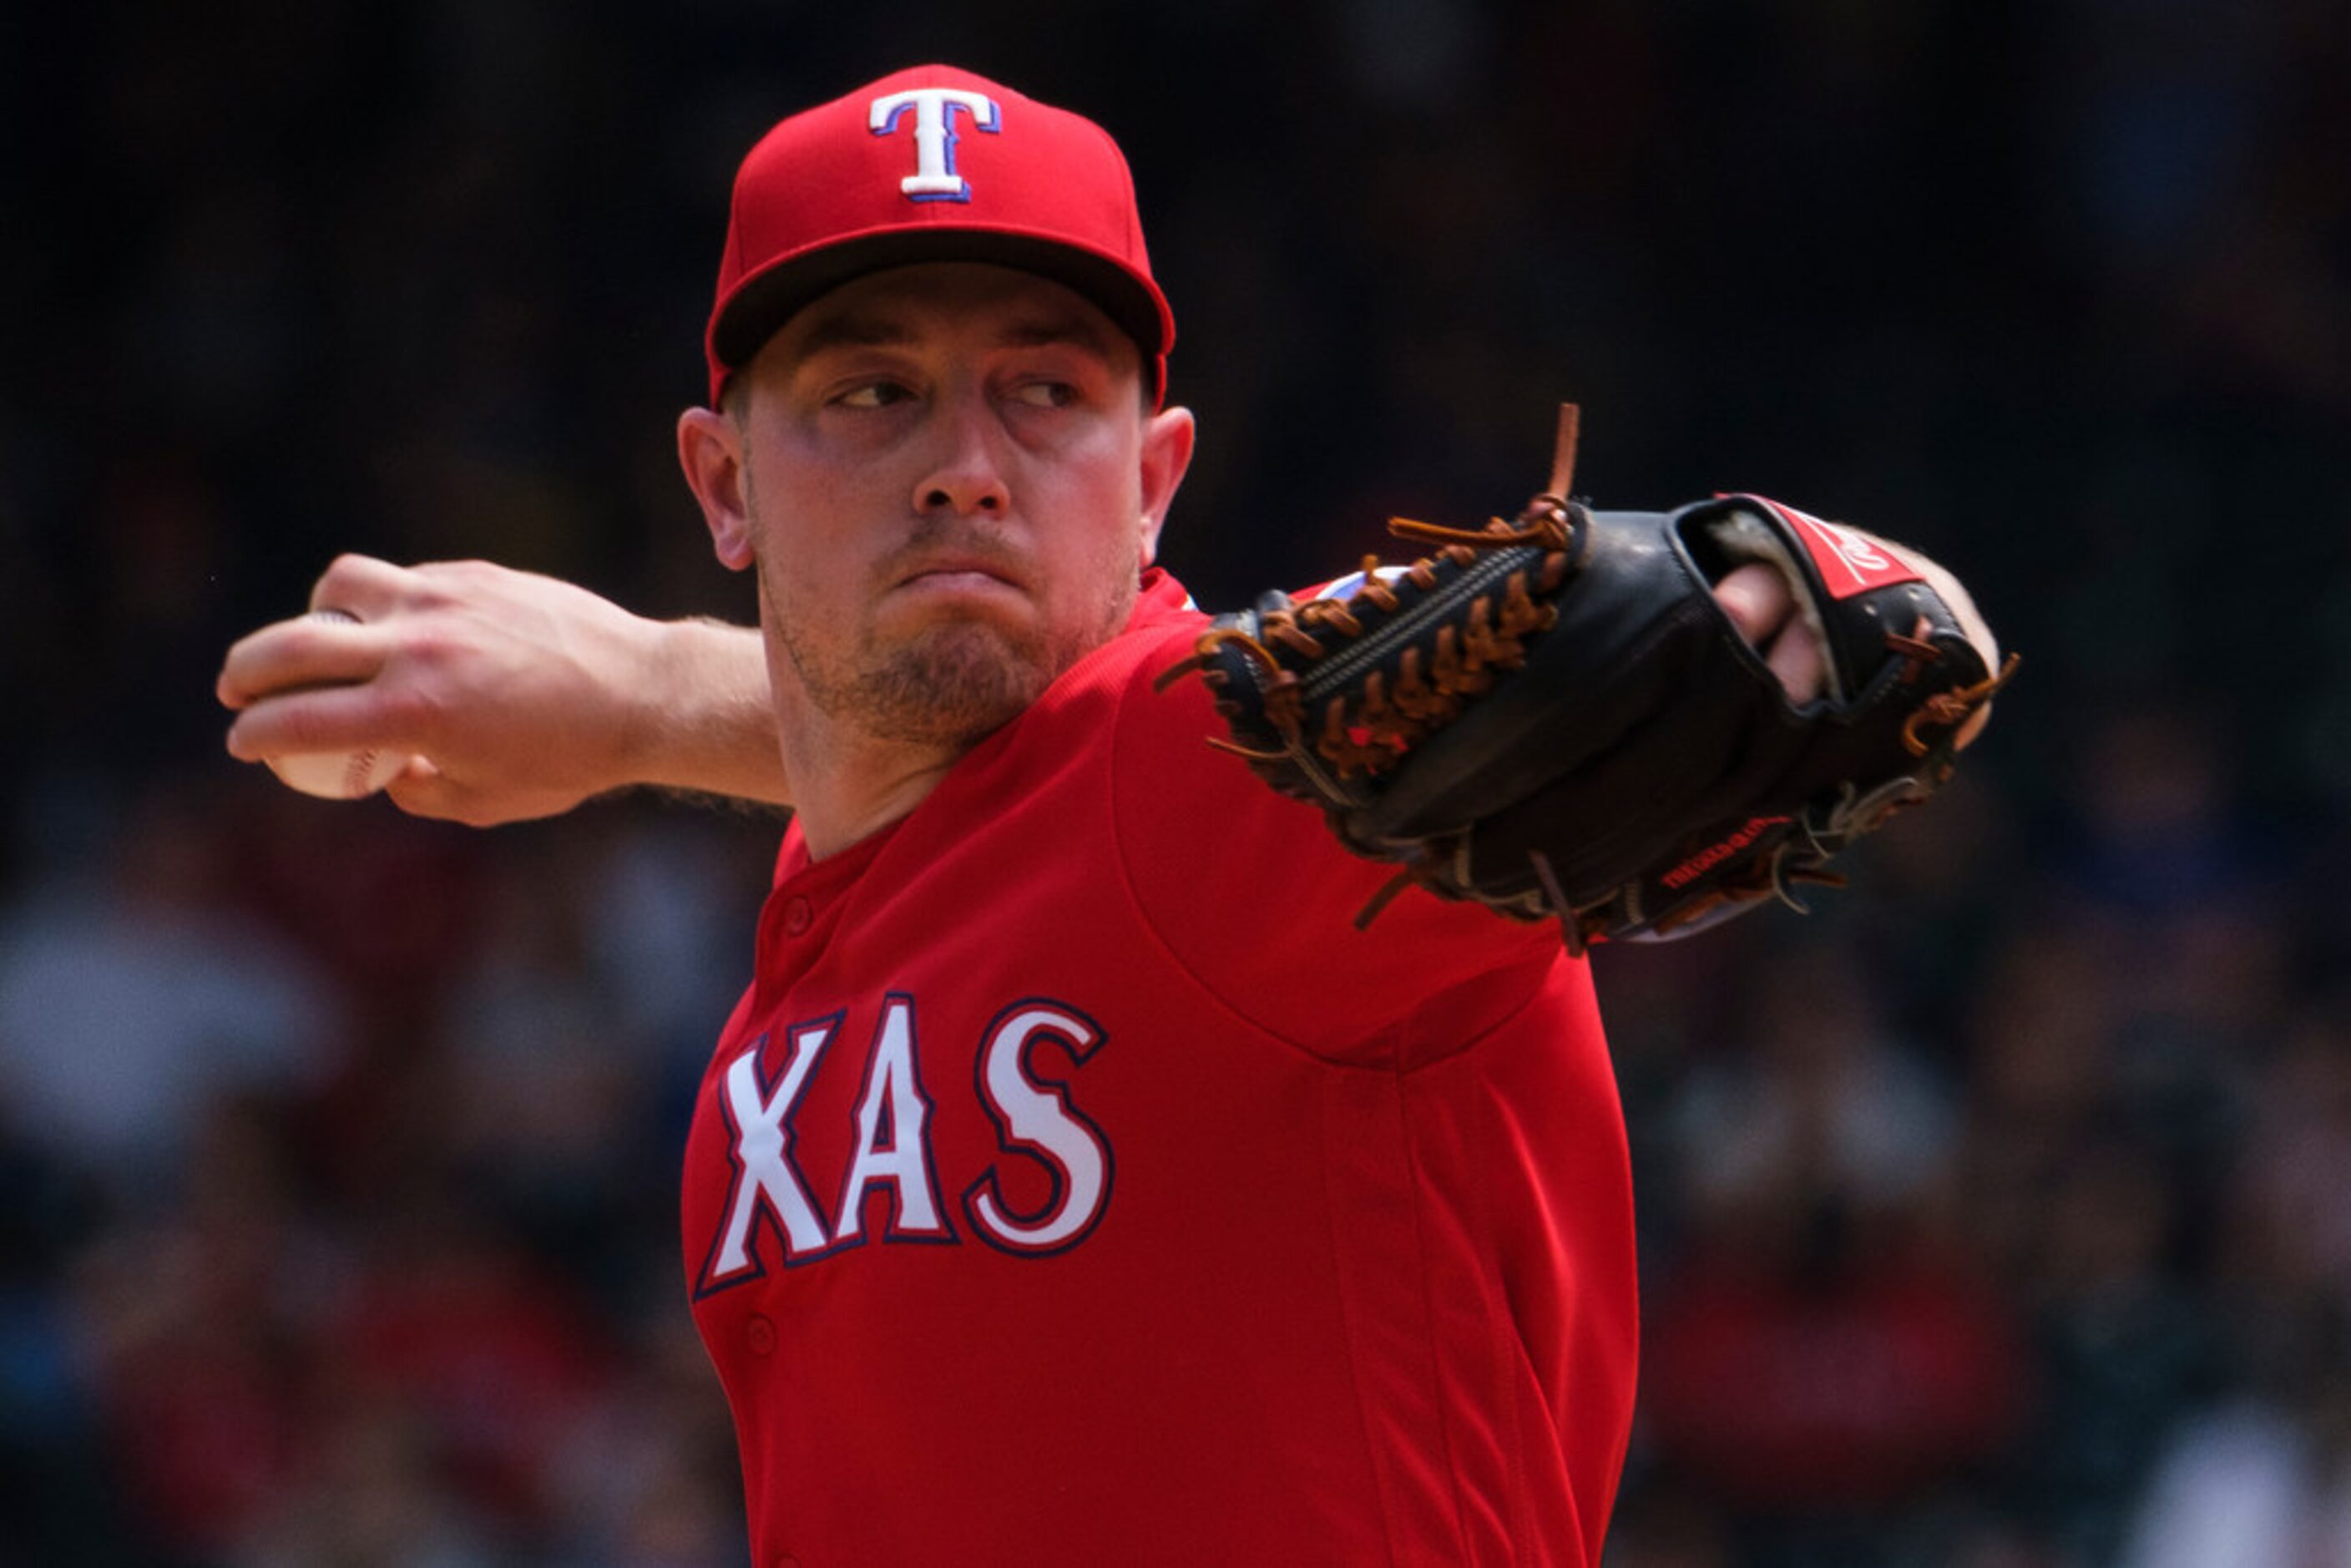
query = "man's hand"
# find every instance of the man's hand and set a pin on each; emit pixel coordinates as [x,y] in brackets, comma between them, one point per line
[526,693]
[1761,604]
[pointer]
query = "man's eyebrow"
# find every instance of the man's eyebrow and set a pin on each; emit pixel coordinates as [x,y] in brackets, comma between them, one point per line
[1045,331]
[861,329]
[854,331]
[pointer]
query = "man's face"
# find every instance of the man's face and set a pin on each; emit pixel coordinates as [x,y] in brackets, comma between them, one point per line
[950,483]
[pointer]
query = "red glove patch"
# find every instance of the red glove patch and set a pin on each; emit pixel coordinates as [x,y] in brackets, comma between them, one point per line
[1849,561]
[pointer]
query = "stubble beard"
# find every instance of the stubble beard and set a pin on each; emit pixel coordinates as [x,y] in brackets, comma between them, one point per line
[949,685]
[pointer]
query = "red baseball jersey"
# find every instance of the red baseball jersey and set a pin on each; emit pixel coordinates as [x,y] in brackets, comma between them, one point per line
[1076,1185]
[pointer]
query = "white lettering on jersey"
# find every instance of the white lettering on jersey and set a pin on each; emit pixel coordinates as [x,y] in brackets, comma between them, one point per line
[893,1137]
[1036,1119]
[934,178]
[892,1144]
[765,1177]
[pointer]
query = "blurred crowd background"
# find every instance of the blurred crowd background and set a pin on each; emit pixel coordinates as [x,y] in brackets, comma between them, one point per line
[1997,1215]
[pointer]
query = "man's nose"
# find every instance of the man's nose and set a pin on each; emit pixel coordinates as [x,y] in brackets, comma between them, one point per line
[967,479]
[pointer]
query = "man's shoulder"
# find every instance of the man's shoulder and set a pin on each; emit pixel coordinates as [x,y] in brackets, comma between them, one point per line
[1159,630]
[1163,610]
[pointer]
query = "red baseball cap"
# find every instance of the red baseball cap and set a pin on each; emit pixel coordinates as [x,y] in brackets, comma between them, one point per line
[931,164]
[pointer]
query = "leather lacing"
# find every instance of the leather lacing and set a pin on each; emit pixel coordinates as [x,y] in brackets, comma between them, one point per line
[1365,729]
[1950,709]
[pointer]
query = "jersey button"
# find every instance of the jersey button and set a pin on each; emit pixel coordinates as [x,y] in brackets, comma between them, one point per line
[760,1335]
[797,916]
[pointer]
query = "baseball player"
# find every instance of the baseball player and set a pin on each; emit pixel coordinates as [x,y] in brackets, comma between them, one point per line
[1078,1181]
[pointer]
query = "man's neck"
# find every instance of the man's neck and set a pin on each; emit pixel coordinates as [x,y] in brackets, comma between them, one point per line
[861,793]
[847,787]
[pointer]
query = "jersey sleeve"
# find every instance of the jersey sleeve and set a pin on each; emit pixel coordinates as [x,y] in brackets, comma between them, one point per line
[1255,897]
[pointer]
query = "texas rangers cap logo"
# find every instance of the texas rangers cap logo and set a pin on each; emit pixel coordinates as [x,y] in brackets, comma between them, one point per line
[934,178]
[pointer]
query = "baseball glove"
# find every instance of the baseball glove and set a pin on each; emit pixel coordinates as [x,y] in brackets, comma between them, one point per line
[1554,716]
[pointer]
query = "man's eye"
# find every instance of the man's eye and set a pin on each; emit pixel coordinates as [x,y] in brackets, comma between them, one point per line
[874,394]
[1046,395]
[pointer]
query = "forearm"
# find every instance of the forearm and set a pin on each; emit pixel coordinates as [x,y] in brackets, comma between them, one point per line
[710,724]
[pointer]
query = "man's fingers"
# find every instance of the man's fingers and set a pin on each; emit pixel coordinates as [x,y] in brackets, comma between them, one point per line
[307,651]
[1756,598]
[293,654]
[1797,658]
[361,585]
[1760,603]
[329,719]
[423,790]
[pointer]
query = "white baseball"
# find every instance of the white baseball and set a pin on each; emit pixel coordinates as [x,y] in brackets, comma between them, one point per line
[345,776]
[337,776]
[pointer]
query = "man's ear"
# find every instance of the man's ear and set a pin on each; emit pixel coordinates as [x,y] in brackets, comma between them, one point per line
[710,450]
[1167,438]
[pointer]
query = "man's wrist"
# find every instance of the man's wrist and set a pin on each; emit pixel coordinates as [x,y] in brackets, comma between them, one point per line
[657,740]
[701,719]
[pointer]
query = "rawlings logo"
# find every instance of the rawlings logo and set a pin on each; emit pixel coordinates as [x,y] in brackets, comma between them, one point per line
[1860,557]
[1714,855]
[1849,561]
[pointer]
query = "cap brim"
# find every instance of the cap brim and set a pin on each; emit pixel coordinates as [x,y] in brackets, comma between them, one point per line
[770,298]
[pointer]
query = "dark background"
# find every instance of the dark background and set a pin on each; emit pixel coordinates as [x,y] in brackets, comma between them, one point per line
[1993,1216]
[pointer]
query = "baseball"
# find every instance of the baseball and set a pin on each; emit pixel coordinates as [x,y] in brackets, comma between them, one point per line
[337,776]
[346,776]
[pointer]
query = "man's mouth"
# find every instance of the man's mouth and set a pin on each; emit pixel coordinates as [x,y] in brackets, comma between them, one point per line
[957,570]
